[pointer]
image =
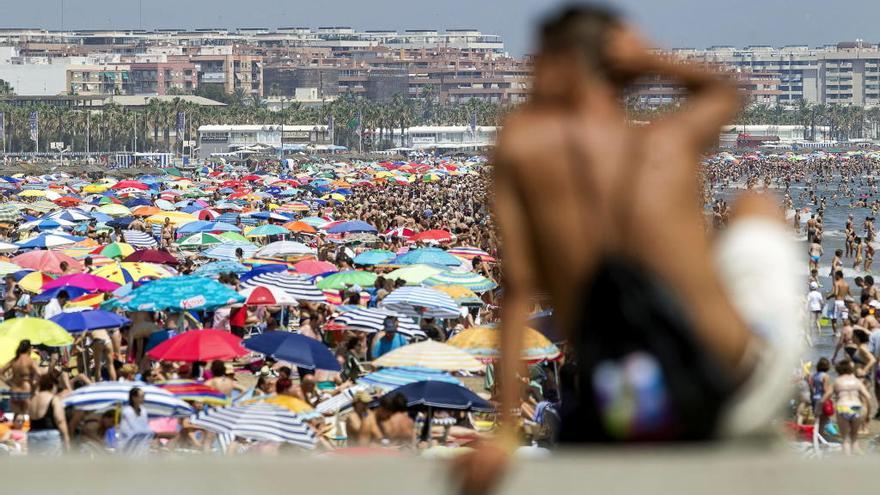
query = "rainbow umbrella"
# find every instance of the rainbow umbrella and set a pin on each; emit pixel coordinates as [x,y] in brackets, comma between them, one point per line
[115,250]
[34,281]
[194,391]
[126,272]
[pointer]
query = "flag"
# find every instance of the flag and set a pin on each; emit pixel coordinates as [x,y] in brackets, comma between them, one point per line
[181,122]
[34,126]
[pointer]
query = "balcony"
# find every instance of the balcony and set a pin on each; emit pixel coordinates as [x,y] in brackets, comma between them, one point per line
[213,78]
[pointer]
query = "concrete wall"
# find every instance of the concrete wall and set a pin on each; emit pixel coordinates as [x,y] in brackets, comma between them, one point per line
[34,79]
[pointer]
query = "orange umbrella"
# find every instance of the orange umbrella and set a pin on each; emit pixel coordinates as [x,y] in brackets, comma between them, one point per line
[299,226]
[146,211]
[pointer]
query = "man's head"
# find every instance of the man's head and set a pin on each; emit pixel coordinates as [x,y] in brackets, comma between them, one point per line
[64,266]
[574,48]
[63,297]
[389,325]
[838,275]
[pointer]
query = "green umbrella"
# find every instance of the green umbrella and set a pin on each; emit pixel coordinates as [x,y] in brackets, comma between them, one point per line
[233,236]
[200,239]
[345,279]
[414,274]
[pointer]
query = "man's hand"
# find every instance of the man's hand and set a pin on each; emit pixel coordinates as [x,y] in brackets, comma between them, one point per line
[480,471]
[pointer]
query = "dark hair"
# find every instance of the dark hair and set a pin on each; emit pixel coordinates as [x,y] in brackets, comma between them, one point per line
[584,30]
[218,368]
[844,367]
[62,294]
[24,347]
[823,364]
[393,402]
[838,252]
[282,384]
[869,280]
[838,274]
[860,336]
[131,395]
[47,381]
[351,343]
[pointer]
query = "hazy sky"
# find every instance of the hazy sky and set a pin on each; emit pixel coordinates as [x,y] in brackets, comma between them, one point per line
[673,23]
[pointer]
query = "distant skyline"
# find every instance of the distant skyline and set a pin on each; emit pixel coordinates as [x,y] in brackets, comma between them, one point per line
[671,23]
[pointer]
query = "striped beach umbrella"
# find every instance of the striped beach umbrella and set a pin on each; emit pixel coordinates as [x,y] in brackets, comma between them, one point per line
[468,280]
[214,269]
[298,288]
[257,421]
[421,302]
[414,274]
[388,379]
[373,319]
[430,354]
[108,395]
[139,239]
[283,248]
[194,391]
[226,251]
[469,253]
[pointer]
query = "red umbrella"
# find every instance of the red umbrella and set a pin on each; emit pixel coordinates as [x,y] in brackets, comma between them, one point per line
[252,178]
[432,235]
[266,296]
[199,345]
[152,256]
[315,267]
[207,214]
[67,201]
[125,184]
[46,261]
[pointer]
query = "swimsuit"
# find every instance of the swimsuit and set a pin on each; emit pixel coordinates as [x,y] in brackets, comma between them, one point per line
[849,413]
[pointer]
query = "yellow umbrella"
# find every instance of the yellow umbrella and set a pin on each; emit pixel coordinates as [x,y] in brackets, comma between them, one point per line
[115,210]
[334,196]
[95,188]
[85,302]
[457,292]
[37,330]
[33,282]
[431,355]
[32,193]
[177,218]
[485,344]
[127,271]
[294,404]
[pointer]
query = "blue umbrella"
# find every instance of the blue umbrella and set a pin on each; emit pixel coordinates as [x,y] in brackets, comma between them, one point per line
[261,269]
[215,268]
[391,378]
[101,217]
[300,350]
[122,222]
[205,226]
[131,203]
[81,321]
[48,240]
[182,293]
[442,395]
[428,256]
[373,257]
[46,296]
[351,226]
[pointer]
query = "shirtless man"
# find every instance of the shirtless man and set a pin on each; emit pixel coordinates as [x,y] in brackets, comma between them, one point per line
[393,422]
[221,379]
[361,426]
[816,252]
[839,292]
[609,177]
[25,374]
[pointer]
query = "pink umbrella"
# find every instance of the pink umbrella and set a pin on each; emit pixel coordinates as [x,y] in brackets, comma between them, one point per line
[87,281]
[46,261]
[314,267]
[199,345]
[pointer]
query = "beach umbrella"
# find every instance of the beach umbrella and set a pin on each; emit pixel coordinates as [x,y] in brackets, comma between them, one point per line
[203,226]
[125,272]
[226,251]
[428,256]
[214,269]
[316,221]
[131,184]
[468,280]
[199,240]
[414,274]
[9,214]
[295,287]
[348,278]
[233,237]
[351,227]
[199,345]
[48,295]
[266,230]
[6,268]
[81,321]
[181,293]
[297,226]
[485,344]
[373,257]
[442,395]
[34,281]
[45,224]
[104,396]
[294,348]
[432,236]
[470,253]
[115,210]
[289,402]
[373,319]
[46,261]
[266,296]
[139,239]
[461,295]
[115,250]
[257,421]
[37,330]
[177,218]
[283,249]
[314,267]
[146,211]
[194,391]
[432,355]
[421,302]
[48,240]
[152,256]
[87,281]
[387,379]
